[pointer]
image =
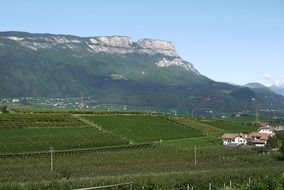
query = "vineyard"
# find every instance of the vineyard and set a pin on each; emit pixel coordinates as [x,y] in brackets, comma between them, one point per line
[200,142]
[143,159]
[35,139]
[232,126]
[206,129]
[144,128]
[152,151]
[38,120]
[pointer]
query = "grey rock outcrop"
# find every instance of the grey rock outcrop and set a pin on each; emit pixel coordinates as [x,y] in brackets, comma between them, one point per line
[111,44]
[150,46]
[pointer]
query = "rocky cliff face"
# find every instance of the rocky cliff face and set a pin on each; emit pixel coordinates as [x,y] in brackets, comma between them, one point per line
[167,55]
[110,44]
[150,46]
[124,44]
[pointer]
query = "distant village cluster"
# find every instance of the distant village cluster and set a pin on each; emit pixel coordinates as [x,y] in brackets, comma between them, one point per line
[258,138]
[63,103]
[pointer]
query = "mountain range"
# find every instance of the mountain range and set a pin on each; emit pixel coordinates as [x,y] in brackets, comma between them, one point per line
[117,70]
[278,89]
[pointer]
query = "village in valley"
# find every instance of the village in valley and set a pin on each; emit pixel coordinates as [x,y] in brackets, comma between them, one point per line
[258,138]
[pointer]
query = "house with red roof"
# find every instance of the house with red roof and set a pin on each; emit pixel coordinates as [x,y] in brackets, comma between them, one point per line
[232,139]
[258,139]
[266,129]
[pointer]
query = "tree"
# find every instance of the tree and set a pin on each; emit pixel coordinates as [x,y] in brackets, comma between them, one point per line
[4,109]
[280,136]
[272,142]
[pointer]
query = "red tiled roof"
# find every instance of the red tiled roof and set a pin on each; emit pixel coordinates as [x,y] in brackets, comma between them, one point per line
[229,136]
[261,136]
[254,135]
[264,136]
[233,135]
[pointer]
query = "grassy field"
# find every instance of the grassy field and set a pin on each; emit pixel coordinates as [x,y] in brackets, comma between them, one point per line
[143,128]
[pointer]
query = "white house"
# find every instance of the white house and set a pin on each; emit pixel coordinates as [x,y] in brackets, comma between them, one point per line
[279,128]
[15,100]
[230,139]
[266,129]
[258,138]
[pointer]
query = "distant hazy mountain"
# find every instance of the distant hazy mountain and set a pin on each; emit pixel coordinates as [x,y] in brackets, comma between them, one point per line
[114,69]
[279,89]
[255,85]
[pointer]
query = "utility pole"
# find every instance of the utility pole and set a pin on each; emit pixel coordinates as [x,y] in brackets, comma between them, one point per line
[188,187]
[274,114]
[1,91]
[255,105]
[195,161]
[82,102]
[256,113]
[249,181]
[130,187]
[51,159]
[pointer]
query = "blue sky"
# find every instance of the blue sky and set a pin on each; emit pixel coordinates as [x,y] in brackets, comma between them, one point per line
[236,41]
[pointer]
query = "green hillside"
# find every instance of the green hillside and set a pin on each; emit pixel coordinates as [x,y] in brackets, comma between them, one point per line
[48,66]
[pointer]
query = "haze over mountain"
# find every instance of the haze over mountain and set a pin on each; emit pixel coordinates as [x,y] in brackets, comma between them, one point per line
[279,89]
[255,85]
[117,70]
